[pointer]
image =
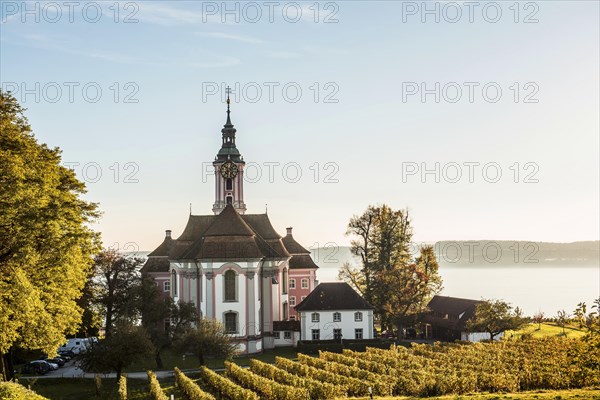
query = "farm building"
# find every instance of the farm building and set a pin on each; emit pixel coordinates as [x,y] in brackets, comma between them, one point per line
[447,320]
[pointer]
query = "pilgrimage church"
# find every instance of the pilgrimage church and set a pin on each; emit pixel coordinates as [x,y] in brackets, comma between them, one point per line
[235,267]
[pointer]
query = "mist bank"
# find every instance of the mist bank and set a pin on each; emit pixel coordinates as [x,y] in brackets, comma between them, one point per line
[484,253]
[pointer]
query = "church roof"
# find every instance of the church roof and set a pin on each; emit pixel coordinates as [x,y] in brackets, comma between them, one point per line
[332,296]
[301,258]
[302,261]
[227,235]
[292,246]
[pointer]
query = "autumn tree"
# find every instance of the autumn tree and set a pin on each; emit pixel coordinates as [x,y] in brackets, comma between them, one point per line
[580,314]
[538,318]
[495,317]
[207,339]
[562,317]
[46,245]
[397,285]
[155,309]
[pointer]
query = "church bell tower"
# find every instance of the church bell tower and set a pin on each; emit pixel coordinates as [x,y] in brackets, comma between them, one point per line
[229,170]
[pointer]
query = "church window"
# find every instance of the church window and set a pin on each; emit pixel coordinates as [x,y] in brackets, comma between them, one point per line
[229,184]
[304,283]
[231,322]
[292,284]
[314,317]
[174,283]
[230,279]
[285,280]
[337,317]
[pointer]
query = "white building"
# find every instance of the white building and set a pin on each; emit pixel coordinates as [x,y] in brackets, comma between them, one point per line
[335,311]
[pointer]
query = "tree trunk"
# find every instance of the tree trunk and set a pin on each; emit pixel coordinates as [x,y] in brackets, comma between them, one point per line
[107,331]
[201,358]
[7,368]
[119,370]
[158,359]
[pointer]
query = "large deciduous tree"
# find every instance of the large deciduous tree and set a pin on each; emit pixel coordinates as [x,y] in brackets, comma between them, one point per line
[127,344]
[395,284]
[114,277]
[46,245]
[155,309]
[495,317]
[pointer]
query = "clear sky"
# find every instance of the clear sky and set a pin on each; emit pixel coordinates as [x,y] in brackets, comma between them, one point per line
[387,93]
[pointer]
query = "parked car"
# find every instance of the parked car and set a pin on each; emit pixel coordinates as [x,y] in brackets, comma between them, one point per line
[66,354]
[56,360]
[40,367]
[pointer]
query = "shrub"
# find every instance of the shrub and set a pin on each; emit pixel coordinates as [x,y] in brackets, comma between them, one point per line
[122,388]
[268,389]
[14,391]
[225,388]
[156,392]
[189,388]
[316,389]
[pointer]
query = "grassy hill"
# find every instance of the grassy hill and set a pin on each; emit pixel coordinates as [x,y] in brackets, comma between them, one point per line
[547,329]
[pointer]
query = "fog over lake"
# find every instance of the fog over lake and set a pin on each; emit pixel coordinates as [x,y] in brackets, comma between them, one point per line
[544,286]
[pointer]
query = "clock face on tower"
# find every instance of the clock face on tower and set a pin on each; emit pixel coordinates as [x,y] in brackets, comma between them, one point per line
[229,170]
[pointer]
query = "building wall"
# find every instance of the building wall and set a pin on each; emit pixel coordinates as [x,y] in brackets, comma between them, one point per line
[298,292]
[478,336]
[326,324]
[282,341]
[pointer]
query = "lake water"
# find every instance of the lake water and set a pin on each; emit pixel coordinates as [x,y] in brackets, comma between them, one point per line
[545,288]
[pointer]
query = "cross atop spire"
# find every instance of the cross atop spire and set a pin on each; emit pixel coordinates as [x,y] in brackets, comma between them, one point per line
[228,91]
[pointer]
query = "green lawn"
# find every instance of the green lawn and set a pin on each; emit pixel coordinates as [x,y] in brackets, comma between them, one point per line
[547,329]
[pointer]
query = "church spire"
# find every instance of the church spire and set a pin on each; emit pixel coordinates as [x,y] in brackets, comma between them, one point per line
[228,149]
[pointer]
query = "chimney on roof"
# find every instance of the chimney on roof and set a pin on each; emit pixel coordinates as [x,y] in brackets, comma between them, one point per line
[289,230]
[168,234]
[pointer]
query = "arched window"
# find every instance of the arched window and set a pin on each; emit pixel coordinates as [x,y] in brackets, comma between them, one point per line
[174,283]
[358,316]
[231,322]
[229,184]
[230,292]
[314,317]
[285,280]
[337,317]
